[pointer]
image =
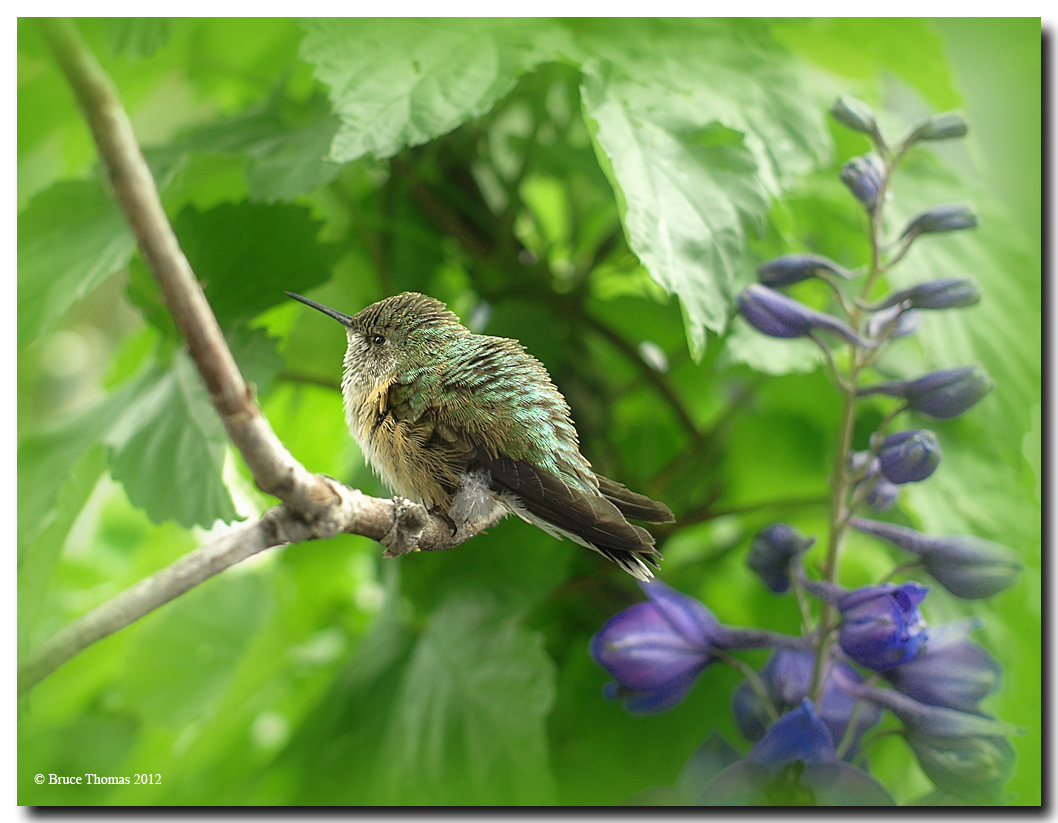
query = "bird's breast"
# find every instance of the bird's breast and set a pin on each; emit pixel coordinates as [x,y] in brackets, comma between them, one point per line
[398,450]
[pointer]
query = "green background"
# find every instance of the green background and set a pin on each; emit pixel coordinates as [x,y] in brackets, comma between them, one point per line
[560,182]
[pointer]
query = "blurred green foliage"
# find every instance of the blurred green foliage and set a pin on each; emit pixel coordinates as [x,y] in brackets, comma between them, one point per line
[599,189]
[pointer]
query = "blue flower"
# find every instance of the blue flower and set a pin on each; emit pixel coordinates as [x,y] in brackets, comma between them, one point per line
[909,456]
[797,735]
[656,649]
[787,677]
[881,626]
[953,672]
[794,764]
[771,552]
[931,721]
[967,566]
[882,495]
[877,492]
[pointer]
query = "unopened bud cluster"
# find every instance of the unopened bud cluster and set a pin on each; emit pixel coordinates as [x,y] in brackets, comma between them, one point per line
[815,698]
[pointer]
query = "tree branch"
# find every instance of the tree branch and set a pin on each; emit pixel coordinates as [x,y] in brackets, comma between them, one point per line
[652,375]
[398,523]
[274,470]
[314,506]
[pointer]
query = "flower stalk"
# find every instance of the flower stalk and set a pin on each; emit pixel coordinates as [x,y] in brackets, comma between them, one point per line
[871,649]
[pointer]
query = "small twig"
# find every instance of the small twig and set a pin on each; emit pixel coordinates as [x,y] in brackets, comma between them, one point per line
[309,380]
[701,515]
[149,594]
[652,375]
[399,524]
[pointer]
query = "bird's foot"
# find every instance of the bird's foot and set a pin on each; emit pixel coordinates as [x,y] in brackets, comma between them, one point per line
[437,511]
[408,524]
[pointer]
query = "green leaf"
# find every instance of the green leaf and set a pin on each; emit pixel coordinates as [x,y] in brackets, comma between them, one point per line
[136,36]
[515,562]
[47,457]
[357,707]
[693,145]
[870,48]
[256,355]
[247,254]
[180,664]
[168,448]
[677,219]
[400,82]
[294,161]
[468,719]
[37,559]
[285,159]
[70,237]
[167,441]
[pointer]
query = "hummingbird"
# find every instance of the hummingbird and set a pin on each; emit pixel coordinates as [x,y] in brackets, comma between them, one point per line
[471,426]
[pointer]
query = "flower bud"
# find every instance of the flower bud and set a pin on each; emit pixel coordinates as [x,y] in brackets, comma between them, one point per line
[793,268]
[949,217]
[772,550]
[953,672]
[909,456]
[945,293]
[931,721]
[864,176]
[941,394]
[969,567]
[941,127]
[974,768]
[855,114]
[656,649]
[964,753]
[777,315]
[881,626]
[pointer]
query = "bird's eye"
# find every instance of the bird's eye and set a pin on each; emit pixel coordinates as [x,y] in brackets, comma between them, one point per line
[378,339]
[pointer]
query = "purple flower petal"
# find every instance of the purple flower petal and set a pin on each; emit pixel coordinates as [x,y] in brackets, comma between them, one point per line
[642,650]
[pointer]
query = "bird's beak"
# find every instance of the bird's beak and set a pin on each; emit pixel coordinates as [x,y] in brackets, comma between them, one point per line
[344,319]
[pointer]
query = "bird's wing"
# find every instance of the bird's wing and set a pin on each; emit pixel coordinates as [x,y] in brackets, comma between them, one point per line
[590,517]
[491,407]
[489,392]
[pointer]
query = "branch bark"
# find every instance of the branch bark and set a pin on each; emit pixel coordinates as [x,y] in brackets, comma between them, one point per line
[314,506]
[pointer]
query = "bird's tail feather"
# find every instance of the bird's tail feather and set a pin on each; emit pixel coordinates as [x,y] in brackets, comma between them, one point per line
[632,504]
[592,520]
